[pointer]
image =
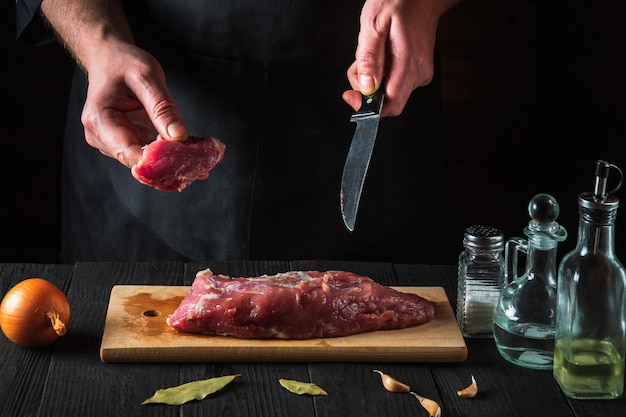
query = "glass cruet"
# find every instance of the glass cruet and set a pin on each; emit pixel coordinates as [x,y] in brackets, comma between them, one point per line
[525,315]
[591,313]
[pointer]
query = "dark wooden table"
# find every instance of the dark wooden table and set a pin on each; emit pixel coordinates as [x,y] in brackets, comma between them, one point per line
[68,378]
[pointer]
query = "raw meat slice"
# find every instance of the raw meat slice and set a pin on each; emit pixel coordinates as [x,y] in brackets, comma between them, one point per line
[172,166]
[295,305]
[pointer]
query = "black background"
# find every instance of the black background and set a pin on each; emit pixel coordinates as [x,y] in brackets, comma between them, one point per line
[533,95]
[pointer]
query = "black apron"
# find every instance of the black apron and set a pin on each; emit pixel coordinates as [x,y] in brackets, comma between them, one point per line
[266,78]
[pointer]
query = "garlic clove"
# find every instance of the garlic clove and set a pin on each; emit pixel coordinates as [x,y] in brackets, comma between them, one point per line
[434,410]
[392,384]
[470,391]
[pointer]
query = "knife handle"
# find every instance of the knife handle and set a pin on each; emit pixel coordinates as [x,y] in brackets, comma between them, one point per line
[371,105]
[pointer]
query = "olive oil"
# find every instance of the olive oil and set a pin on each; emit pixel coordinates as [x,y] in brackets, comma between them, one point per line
[591,369]
[590,336]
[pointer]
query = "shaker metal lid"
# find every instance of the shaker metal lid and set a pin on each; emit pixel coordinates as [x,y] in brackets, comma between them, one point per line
[484,236]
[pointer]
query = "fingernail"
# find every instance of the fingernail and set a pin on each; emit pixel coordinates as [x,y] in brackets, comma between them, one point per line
[366,84]
[176,130]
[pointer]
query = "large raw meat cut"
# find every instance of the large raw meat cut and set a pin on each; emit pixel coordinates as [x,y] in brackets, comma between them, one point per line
[295,305]
[172,166]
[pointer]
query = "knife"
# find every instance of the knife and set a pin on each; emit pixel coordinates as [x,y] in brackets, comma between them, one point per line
[359,155]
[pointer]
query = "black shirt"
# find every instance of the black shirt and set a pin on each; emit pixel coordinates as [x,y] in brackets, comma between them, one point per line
[266,78]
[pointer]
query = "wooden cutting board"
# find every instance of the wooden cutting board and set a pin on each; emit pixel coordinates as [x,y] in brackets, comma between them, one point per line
[136,331]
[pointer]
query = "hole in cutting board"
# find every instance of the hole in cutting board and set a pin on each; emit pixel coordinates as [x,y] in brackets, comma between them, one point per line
[151,313]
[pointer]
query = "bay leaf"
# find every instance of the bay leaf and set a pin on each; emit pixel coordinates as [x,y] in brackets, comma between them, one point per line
[195,390]
[300,388]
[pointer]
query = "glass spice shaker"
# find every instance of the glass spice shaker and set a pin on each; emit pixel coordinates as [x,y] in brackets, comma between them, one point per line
[525,315]
[480,278]
[590,342]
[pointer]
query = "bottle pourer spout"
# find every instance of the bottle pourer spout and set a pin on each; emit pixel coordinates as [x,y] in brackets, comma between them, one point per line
[601,180]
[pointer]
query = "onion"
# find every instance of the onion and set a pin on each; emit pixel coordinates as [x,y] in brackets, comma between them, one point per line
[34,313]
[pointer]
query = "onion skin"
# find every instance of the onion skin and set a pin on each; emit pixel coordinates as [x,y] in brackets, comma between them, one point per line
[34,313]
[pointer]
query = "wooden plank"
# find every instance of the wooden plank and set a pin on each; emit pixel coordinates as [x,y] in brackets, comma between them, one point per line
[256,393]
[361,392]
[503,388]
[79,384]
[136,331]
[22,370]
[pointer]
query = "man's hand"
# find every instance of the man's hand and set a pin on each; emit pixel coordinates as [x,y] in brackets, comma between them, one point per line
[127,98]
[126,101]
[396,43]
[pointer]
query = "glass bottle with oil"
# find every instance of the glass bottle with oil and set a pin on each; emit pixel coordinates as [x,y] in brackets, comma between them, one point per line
[591,297]
[524,318]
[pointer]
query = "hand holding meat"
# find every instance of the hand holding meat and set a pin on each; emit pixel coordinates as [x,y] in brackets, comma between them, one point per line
[127,99]
[396,42]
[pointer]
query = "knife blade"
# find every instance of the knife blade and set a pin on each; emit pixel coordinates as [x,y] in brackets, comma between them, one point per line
[359,155]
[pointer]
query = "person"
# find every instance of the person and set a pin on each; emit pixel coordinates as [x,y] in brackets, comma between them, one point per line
[268,78]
